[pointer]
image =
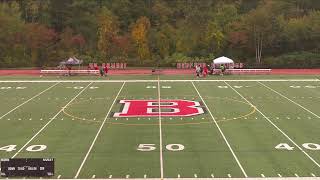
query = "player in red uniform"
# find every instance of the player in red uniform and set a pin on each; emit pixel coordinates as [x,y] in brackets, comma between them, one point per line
[205,71]
[106,70]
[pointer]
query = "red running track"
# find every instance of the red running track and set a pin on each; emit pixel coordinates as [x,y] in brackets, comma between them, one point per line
[164,71]
[296,71]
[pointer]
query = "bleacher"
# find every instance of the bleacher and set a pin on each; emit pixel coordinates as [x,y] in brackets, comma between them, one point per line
[248,71]
[64,72]
[92,69]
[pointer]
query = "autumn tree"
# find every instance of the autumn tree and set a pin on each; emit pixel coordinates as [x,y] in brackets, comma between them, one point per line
[37,32]
[139,35]
[37,38]
[108,28]
[121,47]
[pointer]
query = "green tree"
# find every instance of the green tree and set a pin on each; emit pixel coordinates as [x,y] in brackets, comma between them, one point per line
[11,29]
[259,29]
[214,37]
[161,12]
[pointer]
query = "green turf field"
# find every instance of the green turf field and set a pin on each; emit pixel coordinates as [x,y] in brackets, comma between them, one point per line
[253,126]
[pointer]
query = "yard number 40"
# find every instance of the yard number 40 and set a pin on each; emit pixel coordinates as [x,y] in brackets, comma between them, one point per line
[32,148]
[151,147]
[309,146]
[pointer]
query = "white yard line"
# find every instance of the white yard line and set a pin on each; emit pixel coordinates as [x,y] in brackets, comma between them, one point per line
[289,100]
[222,134]
[34,136]
[233,178]
[274,125]
[28,100]
[160,131]
[164,80]
[96,137]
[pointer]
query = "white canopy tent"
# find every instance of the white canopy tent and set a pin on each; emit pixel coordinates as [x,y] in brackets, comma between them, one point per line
[223,60]
[72,61]
[227,62]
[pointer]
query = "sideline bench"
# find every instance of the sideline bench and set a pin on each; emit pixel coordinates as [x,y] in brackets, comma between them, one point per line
[70,72]
[248,71]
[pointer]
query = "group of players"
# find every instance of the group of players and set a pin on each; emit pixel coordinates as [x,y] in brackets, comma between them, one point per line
[103,71]
[205,70]
[200,71]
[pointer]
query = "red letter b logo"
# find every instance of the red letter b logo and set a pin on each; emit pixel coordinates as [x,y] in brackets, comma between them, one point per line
[150,108]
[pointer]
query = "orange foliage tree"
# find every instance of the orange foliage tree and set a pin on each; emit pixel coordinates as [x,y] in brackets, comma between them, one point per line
[139,36]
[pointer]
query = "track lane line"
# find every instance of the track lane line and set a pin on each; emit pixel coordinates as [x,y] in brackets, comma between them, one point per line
[289,100]
[160,131]
[96,137]
[222,134]
[34,136]
[29,100]
[274,125]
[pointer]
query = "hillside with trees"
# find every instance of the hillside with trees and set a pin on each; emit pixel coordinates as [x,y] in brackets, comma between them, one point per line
[265,33]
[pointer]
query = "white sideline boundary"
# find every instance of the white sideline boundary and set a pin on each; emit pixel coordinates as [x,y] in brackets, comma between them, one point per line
[275,126]
[160,132]
[35,135]
[222,134]
[267,178]
[96,137]
[163,80]
[289,100]
[28,100]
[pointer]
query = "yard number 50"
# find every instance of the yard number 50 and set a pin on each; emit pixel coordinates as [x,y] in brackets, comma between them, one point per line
[151,147]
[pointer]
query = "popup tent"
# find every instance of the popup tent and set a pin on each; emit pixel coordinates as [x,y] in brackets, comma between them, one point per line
[227,62]
[72,61]
[223,60]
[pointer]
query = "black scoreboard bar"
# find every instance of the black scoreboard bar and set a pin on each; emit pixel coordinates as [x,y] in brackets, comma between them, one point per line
[27,167]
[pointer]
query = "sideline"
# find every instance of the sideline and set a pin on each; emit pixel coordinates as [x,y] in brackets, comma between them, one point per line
[165,80]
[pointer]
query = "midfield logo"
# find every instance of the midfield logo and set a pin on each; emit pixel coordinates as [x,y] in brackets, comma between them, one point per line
[150,108]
